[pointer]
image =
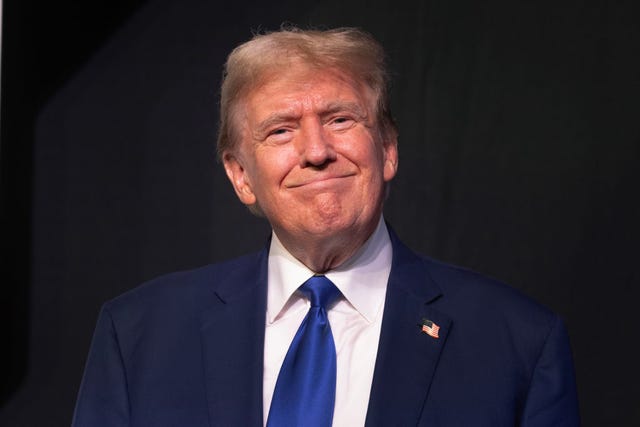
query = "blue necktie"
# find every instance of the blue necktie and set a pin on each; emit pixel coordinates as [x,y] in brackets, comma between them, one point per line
[305,392]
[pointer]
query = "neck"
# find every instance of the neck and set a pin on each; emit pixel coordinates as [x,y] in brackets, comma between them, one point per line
[323,253]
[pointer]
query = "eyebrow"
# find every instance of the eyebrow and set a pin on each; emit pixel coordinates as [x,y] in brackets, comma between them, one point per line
[327,110]
[338,106]
[273,119]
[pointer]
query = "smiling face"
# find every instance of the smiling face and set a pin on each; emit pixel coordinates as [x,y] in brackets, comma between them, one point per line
[313,159]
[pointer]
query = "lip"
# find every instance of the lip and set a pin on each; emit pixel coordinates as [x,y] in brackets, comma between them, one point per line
[318,179]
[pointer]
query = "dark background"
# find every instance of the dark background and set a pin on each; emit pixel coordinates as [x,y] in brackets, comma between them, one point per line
[519,151]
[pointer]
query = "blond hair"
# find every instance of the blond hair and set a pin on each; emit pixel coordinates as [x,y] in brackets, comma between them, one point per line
[348,50]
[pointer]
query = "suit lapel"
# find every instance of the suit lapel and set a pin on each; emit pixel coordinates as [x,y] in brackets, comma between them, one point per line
[407,357]
[232,332]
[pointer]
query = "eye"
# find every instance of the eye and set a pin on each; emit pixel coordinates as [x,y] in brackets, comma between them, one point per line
[278,135]
[342,122]
[343,119]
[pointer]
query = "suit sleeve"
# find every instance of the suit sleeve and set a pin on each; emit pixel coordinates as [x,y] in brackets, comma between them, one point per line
[103,398]
[552,397]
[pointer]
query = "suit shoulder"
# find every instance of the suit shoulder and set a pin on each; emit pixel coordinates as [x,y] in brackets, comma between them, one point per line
[183,287]
[463,286]
[459,288]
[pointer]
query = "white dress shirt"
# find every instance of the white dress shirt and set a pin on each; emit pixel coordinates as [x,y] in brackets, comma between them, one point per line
[355,320]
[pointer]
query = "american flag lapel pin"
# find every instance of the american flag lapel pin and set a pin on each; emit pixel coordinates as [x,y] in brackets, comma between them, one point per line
[430,328]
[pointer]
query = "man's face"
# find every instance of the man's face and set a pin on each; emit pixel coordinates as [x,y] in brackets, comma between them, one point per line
[311,155]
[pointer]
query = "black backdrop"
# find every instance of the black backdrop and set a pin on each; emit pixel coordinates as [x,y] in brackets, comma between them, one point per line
[519,145]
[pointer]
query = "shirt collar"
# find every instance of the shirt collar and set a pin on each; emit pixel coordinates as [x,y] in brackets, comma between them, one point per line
[362,279]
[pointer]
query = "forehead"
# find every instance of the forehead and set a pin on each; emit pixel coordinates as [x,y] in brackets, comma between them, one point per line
[304,87]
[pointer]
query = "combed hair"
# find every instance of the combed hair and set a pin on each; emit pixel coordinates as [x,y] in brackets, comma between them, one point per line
[348,50]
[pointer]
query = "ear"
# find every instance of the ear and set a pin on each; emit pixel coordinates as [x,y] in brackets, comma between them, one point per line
[390,167]
[237,174]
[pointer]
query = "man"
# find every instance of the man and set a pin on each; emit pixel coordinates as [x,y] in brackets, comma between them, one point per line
[308,142]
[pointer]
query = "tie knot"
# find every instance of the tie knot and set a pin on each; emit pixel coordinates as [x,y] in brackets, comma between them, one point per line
[320,291]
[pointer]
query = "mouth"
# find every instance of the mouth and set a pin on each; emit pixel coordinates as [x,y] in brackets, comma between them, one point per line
[319,179]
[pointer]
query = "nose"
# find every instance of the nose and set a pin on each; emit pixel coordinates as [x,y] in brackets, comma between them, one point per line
[315,145]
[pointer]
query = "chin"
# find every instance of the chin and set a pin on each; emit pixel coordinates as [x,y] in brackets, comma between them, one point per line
[336,227]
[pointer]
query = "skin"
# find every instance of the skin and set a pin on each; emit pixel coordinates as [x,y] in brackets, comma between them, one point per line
[314,160]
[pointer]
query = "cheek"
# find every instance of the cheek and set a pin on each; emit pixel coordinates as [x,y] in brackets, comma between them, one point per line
[360,147]
[378,159]
[271,166]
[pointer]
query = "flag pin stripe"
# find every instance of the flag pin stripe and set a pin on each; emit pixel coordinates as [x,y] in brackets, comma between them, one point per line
[430,328]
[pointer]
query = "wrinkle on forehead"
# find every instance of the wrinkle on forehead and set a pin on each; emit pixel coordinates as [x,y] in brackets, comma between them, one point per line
[290,107]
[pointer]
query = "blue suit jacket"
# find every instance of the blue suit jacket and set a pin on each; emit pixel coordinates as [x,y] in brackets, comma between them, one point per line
[187,350]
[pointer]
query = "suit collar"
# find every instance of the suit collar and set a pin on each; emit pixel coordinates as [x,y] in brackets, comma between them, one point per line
[407,357]
[411,273]
[232,331]
[362,279]
[232,335]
